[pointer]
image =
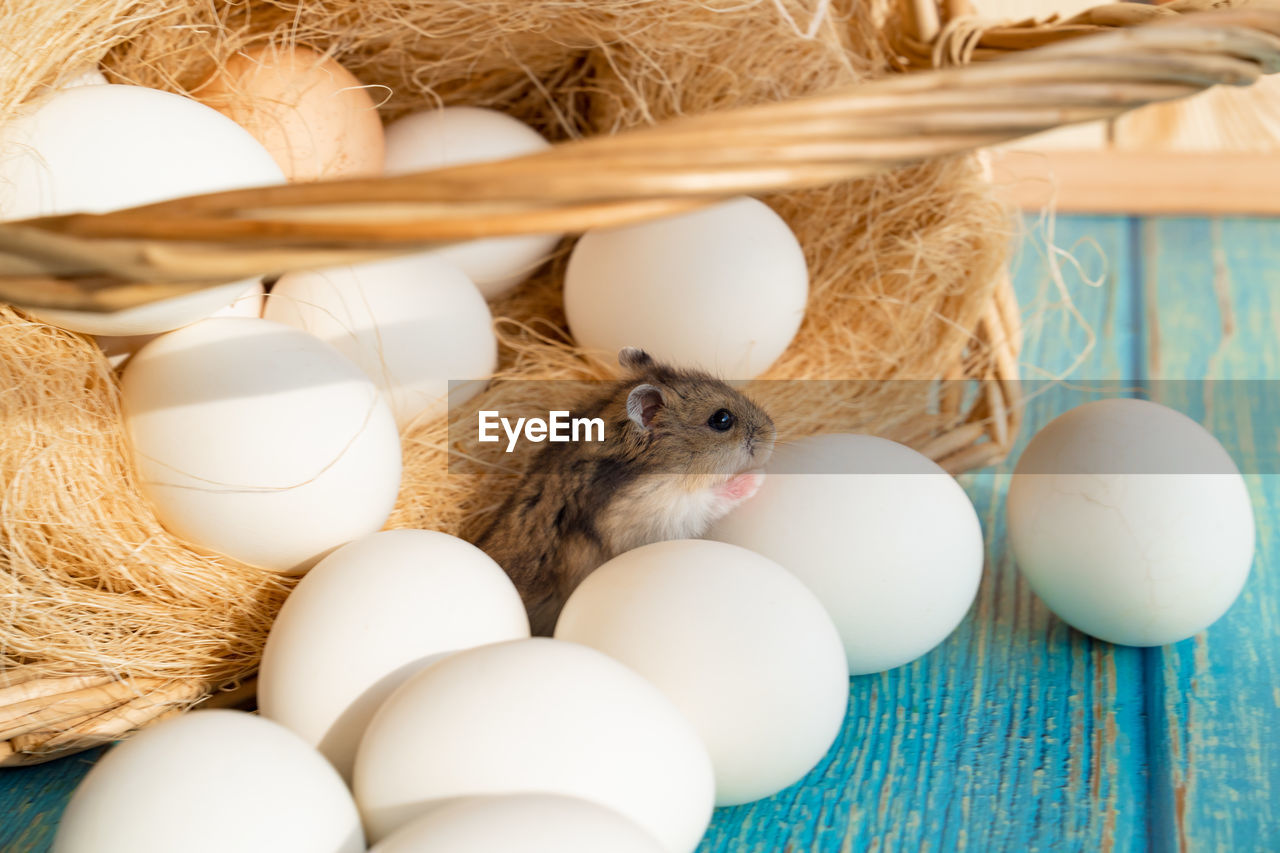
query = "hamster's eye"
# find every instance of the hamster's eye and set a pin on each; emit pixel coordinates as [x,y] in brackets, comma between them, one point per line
[721,421]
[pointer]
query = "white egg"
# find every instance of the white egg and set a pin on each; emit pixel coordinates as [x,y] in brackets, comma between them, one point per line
[119,348]
[414,324]
[535,716]
[886,539]
[453,136]
[722,288]
[366,618]
[520,823]
[258,441]
[77,152]
[211,781]
[1131,522]
[743,649]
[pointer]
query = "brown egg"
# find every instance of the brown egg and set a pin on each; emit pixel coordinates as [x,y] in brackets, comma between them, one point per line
[313,115]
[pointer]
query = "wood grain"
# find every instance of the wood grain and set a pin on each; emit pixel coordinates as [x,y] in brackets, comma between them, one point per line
[32,800]
[1215,703]
[1141,182]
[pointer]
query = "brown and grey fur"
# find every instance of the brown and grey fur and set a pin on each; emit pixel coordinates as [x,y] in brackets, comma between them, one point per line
[661,473]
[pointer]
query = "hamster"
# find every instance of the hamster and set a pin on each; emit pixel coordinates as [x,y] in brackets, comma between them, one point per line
[680,450]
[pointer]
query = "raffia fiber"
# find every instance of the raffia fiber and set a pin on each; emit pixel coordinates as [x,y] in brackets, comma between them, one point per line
[88,578]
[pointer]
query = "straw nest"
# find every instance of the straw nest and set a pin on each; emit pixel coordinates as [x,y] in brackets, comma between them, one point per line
[112,621]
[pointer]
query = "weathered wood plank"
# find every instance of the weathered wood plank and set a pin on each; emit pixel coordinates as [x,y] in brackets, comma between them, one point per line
[32,800]
[1214,295]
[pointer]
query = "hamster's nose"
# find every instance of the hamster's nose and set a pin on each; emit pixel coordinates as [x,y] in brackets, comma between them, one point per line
[754,444]
[761,446]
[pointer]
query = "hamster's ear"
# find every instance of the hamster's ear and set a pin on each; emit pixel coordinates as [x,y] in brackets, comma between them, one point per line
[634,358]
[643,403]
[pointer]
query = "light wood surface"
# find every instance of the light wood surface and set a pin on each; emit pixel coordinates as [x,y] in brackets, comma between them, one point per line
[1151,183]
[1214,153]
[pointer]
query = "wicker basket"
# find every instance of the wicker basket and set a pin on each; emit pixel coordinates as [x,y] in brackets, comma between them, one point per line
[1094,66]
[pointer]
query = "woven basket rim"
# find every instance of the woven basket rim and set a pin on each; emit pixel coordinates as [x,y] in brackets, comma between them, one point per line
[122,259]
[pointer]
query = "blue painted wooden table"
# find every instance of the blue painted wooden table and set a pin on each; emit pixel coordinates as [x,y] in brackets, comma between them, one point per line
[1019,733]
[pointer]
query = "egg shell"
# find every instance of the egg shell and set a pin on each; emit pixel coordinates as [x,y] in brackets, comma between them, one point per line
[535,716]
[722,288]
[412,324]
[520,823]
[741,646]
[314,117]
[453,136]
[119,348]
[96,148]
[1131,522]
[211,781]
[258,441]
[885,538]
[366,618]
